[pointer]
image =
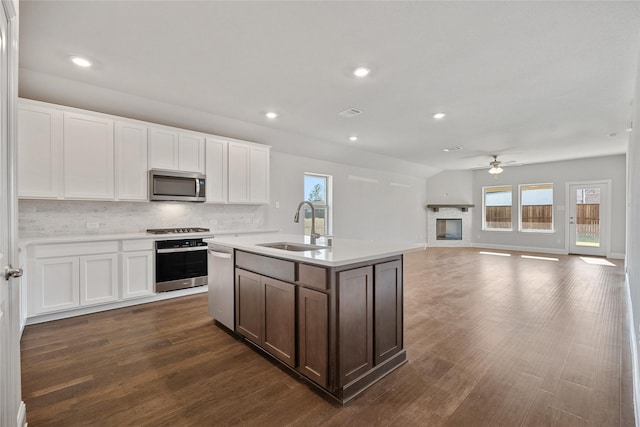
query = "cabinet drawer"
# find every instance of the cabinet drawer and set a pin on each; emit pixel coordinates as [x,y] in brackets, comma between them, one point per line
[312,276]
[137,245]
[70,249]
[272,267]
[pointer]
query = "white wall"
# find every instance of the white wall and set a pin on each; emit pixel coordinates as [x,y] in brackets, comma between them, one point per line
[450,187]
[390,207]
[559,173]
[633,234]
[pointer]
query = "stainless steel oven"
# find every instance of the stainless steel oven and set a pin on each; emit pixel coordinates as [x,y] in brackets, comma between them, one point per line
[180,264]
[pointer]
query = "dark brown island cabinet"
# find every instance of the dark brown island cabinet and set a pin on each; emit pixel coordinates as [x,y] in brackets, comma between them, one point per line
[340,327]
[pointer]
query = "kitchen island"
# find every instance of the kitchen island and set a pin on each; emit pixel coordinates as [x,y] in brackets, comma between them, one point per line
[333,314]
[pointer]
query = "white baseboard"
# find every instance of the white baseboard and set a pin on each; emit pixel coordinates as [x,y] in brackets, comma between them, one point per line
[616,255]
[634,350]
[520,248]
[21,420]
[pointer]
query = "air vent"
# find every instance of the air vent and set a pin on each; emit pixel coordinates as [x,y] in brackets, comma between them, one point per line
[351,112]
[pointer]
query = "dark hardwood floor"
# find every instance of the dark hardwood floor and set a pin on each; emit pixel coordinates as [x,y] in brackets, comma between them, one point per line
[491,341]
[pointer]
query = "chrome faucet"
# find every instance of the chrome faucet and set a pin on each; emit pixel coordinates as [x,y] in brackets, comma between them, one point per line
[296,218]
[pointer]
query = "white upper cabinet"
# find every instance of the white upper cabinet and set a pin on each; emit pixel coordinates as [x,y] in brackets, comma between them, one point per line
[191,153]
[88,153]
[173,150]
[259,175]
[39,152]
[216,170]
[248,173]
[131,162]
[238,173]
[67,153]
[163,149]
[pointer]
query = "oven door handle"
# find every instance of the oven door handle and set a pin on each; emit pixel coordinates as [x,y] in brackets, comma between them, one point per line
[174,250]
[217,254]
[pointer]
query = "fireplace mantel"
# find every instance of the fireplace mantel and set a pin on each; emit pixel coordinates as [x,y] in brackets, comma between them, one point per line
[462,207]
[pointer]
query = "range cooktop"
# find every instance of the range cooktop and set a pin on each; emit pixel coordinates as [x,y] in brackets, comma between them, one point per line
[177,230]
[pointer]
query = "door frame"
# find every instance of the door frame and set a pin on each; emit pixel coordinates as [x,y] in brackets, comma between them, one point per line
[12,408]
[606,242]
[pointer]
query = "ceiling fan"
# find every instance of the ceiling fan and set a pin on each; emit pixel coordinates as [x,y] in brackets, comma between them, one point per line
[495,165]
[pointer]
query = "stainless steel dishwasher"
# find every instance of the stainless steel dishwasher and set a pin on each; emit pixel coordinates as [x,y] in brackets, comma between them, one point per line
[221,285]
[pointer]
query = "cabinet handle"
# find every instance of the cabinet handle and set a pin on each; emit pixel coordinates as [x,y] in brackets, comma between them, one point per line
[220,254]
[189,249]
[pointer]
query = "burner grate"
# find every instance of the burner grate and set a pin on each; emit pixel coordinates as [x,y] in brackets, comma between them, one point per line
[177,230]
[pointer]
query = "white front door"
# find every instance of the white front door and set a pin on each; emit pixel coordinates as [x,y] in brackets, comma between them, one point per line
[11,406]
[588,226]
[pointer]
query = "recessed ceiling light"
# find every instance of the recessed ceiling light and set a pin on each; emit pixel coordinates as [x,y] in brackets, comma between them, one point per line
[81,62]
[439,116]
[353,138]
[457,148]
[271,115]
[361,71]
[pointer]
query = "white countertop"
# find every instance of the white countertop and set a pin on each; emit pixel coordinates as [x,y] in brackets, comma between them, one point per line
[343,251]
[40,238]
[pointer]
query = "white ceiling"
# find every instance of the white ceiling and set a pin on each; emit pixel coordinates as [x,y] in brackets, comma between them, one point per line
[529,81]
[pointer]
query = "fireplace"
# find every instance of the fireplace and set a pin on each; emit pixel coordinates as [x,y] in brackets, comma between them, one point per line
[449,229]
[449,225]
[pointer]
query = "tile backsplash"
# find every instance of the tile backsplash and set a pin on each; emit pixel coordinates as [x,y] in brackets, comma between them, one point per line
[70,217]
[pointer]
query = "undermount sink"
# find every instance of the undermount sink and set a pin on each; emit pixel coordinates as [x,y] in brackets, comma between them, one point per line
[296,247]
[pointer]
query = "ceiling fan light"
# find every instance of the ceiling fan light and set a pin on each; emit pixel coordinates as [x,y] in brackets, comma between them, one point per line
[495,170]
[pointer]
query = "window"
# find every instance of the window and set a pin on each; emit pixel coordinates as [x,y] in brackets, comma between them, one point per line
[536,207]
[317,190]
[497,204]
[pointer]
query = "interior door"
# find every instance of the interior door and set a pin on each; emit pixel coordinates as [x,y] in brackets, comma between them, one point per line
[588,206]
[11,407]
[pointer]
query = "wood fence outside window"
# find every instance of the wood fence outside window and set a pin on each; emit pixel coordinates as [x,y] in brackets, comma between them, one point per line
[539,217]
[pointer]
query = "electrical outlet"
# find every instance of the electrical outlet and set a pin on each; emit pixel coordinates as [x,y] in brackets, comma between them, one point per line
[93,225]
[277,205]
[213,222]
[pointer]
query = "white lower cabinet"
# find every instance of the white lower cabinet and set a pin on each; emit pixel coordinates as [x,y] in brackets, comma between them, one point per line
[98,279]
[63,283]
[56,284]
[72,275]
[137,273]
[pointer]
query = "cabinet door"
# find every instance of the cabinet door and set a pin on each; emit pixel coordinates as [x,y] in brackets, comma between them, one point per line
[238,173]
[259,175]
[191,153]
[388,310]
[98,279]
[56,284]
[249,305]
[312,335]
[279,320]
[163,149]
[88,157]
[355,323]
[216,170]
[131,162]
[39,152]
[137,274]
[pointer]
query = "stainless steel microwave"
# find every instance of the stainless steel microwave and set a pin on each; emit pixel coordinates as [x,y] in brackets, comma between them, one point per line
[176,186]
